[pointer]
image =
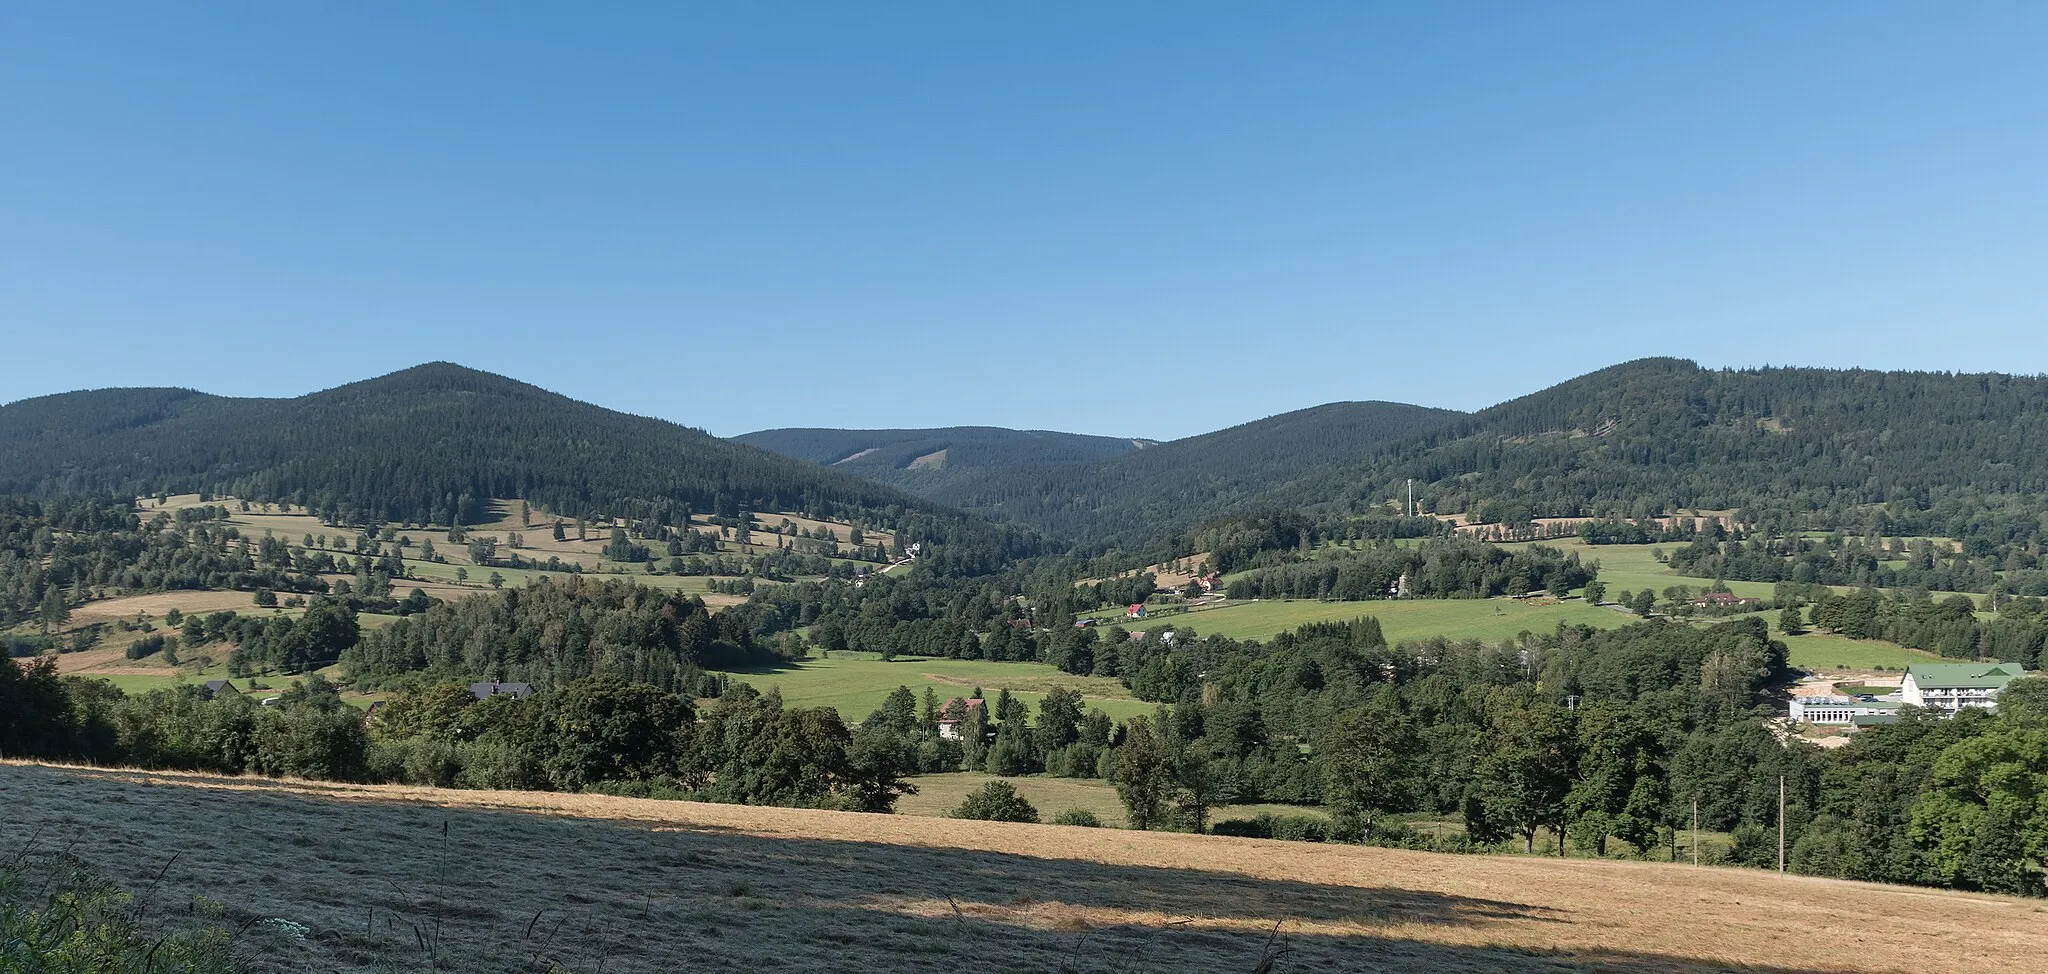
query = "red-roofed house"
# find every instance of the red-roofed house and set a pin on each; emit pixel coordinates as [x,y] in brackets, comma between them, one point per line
[954,713]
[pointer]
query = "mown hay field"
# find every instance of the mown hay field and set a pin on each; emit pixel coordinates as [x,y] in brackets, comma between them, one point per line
[399,878]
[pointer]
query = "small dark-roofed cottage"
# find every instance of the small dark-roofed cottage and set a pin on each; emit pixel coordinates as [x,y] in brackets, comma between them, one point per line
[215,688]
[485,691]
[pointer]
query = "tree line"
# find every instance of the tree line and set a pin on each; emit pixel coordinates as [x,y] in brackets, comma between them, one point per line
[1441,569]
[555,631]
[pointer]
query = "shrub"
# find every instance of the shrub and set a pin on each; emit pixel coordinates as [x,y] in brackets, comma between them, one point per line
[147,646]
[1246,828]
[996,801]
[1293,828]
[1301,828]
[1079,817]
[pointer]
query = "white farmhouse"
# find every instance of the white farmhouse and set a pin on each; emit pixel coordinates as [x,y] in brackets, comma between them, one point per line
[1950,687]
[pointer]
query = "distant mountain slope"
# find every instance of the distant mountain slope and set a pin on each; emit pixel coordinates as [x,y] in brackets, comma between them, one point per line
[1174,485]
[424,444]
[1944,453]
[929,462]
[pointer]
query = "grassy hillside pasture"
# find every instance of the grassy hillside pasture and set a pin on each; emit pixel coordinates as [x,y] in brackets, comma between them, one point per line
[1488,619]
[537,542]
[1827,651]
[855,683]
[1634,567]
[524,881]
[938,794]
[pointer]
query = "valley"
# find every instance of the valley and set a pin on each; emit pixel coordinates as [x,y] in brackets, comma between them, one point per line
[1024,489]
[1243,657]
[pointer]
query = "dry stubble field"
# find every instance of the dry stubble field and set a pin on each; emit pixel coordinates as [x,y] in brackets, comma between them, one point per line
[519,881]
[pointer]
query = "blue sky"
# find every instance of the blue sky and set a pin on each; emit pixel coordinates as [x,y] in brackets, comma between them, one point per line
[1134,219]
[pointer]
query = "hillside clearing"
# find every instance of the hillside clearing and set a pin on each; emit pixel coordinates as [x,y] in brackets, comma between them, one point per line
[392,877]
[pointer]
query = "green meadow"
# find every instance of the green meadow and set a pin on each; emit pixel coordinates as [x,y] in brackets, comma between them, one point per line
[938,794]
[855,683]
[1487,619]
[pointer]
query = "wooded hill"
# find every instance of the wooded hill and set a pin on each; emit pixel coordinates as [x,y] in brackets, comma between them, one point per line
[1878,453]
[1169,487]
[929,462]
[1888,453]
[429,444]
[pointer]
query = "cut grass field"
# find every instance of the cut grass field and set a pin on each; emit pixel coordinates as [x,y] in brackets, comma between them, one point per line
[856,683]
[396,878]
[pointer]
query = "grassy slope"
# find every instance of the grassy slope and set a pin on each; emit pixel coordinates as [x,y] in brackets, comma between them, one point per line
[1635,567]
[1622,567]
[855,683]
[1489,619]
[524,880]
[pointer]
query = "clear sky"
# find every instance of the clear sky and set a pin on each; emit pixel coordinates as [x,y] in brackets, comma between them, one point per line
[1134,219]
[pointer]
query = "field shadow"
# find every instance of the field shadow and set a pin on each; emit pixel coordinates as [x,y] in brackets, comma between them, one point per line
[507,890]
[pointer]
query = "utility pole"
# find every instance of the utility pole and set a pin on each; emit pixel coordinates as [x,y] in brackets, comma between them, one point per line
[1781,825]
[1695,831]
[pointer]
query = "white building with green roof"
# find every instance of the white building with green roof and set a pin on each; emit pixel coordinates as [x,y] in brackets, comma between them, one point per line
[1950,687]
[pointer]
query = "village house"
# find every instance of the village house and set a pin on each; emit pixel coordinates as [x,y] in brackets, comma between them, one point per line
[1724,600]
[1951,687]
[215,688]
[954,713]
[485,691]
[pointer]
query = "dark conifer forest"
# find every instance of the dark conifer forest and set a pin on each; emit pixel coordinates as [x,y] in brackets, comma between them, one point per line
[432,444]
[1138,494]
[1881,453]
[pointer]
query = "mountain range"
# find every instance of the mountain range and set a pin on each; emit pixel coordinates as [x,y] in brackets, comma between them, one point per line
[930,462]
[430,443]
[1899,452]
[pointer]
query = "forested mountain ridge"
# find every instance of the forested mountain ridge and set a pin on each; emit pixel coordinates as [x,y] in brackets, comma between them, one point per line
[927,462]
[432,443]
[1887,453]
[1942,453]
[1172,486]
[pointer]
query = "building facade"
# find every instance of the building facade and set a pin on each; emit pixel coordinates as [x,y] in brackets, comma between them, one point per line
[1953,687]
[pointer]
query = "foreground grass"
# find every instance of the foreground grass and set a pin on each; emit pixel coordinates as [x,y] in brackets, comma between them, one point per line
[855,683]
[396,878]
